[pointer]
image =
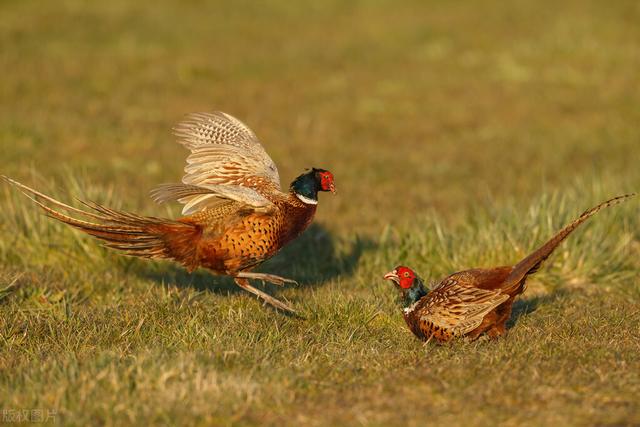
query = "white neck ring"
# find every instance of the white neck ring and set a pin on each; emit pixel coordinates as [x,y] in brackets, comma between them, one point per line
[306,200]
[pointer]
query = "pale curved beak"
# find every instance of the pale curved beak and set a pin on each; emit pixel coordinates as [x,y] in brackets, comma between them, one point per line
[393,276]
[332,188]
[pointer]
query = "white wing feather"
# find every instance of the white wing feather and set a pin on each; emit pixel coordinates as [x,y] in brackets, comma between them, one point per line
[226,162]
[197,198]
[223,151]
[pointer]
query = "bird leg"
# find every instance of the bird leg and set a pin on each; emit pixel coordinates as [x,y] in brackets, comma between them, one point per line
[426,343]
[271,278]
[244,284]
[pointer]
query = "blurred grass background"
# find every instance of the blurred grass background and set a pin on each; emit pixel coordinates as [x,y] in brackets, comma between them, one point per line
[460,134]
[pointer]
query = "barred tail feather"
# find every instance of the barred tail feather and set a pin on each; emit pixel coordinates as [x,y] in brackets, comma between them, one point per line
[135,235]
[532,262]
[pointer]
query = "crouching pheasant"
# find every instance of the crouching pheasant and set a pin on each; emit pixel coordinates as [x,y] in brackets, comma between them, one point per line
[235,214]
[472,302]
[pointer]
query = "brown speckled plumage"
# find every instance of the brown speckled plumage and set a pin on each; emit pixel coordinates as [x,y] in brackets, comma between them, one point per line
[472,302]
[238,240]
[236,216]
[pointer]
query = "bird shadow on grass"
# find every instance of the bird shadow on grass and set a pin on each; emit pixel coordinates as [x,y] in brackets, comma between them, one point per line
[524,307]
[312,259]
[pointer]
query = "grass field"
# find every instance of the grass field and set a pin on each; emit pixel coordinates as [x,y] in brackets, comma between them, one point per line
[460,134]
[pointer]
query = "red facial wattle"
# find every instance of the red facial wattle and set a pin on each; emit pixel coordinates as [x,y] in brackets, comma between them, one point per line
[405,276]
[401,276]
[326,182]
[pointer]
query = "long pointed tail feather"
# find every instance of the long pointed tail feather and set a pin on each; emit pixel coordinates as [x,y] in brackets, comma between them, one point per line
[532,262]
[135,235]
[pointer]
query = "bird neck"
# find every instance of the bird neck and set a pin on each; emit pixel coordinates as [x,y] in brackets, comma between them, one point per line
[305,188]
[414,293]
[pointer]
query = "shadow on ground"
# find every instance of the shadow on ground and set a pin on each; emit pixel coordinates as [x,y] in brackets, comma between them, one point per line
[523,307]
[312,259]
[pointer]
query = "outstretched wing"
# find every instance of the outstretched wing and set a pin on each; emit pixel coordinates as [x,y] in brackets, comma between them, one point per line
[226,162]
[223,151]
[199,198]
[459,308]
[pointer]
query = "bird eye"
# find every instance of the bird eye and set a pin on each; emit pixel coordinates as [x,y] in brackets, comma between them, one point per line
[406,274]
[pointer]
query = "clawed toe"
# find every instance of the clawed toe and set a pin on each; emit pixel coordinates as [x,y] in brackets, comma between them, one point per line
[244,284]
[277,280]
[271,278]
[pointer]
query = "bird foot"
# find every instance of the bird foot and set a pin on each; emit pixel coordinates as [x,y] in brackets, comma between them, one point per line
[271,278]
[244,284]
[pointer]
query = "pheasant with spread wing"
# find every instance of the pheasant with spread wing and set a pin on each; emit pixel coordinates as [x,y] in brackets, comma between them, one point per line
[235,214]
[472,302]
